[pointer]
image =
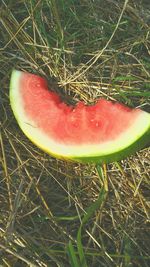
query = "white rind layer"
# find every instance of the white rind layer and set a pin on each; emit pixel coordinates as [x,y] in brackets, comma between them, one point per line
[139,127]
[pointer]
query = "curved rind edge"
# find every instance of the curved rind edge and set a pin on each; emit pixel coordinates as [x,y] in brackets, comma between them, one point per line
[14,76]
[141,143]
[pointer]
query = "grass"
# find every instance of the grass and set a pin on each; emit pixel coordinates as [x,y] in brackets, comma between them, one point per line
[56,213]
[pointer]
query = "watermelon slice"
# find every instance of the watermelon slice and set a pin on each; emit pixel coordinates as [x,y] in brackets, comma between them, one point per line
[104,132]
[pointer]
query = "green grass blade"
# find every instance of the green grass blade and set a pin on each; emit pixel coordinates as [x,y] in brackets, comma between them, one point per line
[82,257]
[90,211]
[94,206]
[72,256]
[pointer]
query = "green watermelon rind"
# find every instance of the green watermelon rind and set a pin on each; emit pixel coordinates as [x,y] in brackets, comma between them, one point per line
[79,155]
[142,142]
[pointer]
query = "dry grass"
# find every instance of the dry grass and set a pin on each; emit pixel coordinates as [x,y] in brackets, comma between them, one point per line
[87,49]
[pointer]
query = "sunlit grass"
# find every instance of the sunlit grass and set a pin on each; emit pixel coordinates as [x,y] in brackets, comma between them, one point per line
[57,213]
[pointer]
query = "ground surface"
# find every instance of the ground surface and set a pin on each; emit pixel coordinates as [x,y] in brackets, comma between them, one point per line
[56,213]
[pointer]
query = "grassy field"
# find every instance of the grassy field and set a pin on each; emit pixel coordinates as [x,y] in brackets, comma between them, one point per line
[56,213]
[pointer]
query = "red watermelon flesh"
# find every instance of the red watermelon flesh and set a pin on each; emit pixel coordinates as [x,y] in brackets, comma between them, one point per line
[104,132]
[74,125]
